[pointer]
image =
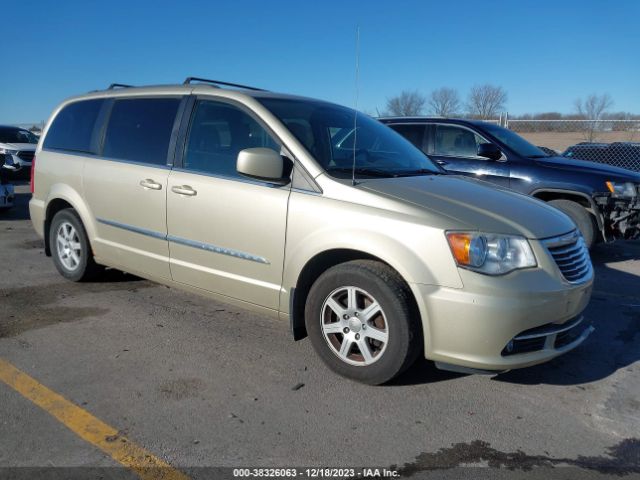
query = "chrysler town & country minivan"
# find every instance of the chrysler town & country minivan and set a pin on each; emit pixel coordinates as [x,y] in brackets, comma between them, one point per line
[313,214]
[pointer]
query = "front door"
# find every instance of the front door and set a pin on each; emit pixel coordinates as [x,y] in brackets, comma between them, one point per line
[455,148]
[226,232]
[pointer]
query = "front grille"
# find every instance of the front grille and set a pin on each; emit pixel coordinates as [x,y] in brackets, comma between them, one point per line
[571,256]
[27,155]
[559,335]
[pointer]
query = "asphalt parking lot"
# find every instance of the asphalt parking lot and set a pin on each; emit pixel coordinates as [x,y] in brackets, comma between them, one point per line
[200,384]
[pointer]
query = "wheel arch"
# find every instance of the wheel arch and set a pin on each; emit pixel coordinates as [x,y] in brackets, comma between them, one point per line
[548,194]
[315,267]
[61,197]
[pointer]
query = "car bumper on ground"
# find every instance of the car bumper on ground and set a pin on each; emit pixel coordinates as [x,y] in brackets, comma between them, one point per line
[501,325]
[6,195]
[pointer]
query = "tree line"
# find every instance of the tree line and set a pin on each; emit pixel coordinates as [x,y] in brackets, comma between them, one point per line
[488,101]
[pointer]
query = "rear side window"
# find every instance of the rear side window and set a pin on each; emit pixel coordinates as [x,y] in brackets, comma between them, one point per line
[72,129]
[413,133]
[139,129]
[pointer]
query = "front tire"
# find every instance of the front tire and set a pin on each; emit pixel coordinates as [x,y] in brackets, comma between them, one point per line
[362,321]
[581,217]
[70,247]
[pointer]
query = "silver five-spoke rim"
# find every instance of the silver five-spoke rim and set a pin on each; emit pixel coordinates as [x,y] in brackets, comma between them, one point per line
[354,326]
[68,246]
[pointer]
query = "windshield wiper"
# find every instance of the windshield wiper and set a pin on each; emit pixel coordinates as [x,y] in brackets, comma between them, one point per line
[373,172]
[418,172]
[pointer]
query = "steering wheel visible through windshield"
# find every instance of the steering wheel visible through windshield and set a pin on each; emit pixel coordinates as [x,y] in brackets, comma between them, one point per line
[329,133]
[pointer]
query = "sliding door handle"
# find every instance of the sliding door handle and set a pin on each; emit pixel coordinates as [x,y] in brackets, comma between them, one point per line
[149,183]
[184,190]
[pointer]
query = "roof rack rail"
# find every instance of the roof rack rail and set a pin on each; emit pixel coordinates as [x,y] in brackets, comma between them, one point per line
[216,83]
[118,85]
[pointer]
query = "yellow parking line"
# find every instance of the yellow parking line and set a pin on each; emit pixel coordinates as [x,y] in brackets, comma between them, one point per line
[89,428]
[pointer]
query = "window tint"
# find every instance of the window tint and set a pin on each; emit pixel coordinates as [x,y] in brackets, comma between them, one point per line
[218,132]
[413,133]
[139,129]
[72,129]
[456,141]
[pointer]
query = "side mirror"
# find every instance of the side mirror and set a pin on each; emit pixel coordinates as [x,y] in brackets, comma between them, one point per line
[264,164]
[490,151]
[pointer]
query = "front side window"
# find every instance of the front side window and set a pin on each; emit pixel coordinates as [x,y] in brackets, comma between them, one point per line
[72,129]
[337,140]
[218,132]
[139,129]
[454,141]
[515,142]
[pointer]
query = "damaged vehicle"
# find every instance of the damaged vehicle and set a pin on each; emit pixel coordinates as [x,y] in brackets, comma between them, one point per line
[602,200]
[6,188]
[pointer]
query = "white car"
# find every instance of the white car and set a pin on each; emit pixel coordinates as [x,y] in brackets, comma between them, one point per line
[17,148]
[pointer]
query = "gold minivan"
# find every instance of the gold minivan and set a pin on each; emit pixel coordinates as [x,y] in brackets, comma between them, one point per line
[314,214]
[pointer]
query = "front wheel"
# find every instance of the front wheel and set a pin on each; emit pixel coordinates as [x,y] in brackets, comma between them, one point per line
[362,322]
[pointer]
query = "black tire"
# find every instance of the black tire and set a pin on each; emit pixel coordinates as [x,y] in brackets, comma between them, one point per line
[86,268]
[398,312]
[581,217]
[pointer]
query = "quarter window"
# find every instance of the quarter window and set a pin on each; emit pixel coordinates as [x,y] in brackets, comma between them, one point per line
[455,141]
[73,127]
[218,133]
[139,129]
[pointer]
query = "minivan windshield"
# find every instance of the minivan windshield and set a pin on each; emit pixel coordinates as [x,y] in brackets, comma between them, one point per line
[515,142]
[327,131]
[16,135]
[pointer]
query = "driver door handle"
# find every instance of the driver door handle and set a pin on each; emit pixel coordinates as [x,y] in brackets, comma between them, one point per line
[151,184]
[184,190]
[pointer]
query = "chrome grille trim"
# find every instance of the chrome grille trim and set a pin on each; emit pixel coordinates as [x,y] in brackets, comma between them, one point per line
[571,257]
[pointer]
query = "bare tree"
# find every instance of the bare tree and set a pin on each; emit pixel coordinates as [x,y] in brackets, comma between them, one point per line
[444,102]
[486,101]
[406,104]
[593,108]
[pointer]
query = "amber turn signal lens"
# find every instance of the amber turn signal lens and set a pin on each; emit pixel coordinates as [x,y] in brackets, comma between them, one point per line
[610,187]
[460,244]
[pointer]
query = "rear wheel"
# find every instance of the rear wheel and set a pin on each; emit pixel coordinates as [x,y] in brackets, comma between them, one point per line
[361,321]
[70,247]
[581,217]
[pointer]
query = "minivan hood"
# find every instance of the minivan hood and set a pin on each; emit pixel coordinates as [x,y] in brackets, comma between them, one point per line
[476,204]
[19,146]
[608,171]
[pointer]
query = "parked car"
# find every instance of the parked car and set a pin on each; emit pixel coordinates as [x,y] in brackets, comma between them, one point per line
[619,154]
[17,147]
[252,198]
[603,201]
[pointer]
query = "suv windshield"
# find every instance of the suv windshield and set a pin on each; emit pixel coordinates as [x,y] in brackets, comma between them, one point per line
[16,135]
[327,132]
[515,142]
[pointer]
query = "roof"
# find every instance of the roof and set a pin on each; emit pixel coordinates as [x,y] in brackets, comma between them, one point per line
[423,119]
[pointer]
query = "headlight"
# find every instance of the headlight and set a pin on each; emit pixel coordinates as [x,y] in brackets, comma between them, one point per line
[626,189]
[7,151]
[491,254]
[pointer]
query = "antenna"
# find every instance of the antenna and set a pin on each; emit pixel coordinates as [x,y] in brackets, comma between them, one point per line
[355,108]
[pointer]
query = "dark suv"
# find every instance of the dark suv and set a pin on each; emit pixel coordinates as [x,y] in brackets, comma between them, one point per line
[602,200]
[619,154]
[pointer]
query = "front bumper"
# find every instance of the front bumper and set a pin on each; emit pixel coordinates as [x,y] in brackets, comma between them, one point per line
[472,327]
